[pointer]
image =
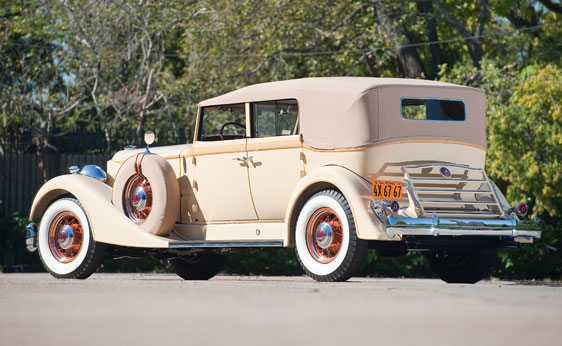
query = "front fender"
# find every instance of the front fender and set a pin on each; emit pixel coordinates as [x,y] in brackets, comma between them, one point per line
[108,224]
[357,192]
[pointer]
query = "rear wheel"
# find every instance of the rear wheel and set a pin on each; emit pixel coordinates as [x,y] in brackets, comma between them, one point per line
[66,246]
[462,266]
[326,242]
[201,266]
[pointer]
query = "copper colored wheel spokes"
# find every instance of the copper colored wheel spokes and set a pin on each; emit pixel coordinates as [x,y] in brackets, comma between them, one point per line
[66,236]
[137,198]
[324,235]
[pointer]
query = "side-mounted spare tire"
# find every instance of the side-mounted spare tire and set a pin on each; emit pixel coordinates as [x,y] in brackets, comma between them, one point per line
[147,192]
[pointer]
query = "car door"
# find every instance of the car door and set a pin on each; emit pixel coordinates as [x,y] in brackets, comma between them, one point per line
[220,166]
[275,152]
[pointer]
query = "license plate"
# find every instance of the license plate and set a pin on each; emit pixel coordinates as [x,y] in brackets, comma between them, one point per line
[387,189]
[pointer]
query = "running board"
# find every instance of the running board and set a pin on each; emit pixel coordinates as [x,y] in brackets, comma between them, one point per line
[185,244]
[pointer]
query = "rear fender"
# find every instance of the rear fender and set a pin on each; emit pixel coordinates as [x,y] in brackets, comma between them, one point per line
[108,224]
[356,190]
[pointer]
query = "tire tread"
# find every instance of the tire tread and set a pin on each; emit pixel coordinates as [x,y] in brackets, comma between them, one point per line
[91,262]
[357,249]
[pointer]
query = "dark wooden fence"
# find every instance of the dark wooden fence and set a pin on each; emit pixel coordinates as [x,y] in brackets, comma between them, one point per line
[21,175]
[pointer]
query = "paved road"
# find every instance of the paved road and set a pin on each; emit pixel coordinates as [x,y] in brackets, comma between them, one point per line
[161,309]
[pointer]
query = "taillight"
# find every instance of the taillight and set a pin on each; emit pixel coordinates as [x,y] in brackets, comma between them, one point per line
[521,209]
[394,206]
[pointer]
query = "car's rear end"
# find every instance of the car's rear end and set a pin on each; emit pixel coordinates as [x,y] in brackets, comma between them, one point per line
[444,199]
[437,134]
[422,145]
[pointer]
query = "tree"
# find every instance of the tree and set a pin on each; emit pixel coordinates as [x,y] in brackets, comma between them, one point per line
[472,38]
[117,51]
[35,100]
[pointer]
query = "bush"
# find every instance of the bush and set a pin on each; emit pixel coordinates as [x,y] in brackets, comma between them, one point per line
[524,154]
[14,256]
[263,262]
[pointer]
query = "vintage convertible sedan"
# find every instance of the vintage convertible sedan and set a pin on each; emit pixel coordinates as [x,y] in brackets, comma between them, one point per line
[330,166]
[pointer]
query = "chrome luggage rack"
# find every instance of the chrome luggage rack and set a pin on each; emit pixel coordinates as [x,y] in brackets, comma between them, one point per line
[455,200]
[465,191]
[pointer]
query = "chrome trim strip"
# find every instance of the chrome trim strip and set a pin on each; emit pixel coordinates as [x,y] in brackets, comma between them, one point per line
[458,202]
[444,164]
[454,190]
[497,197]
[177,244]
[446,180]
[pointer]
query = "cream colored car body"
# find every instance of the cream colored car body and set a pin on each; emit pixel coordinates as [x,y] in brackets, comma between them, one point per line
[251,189]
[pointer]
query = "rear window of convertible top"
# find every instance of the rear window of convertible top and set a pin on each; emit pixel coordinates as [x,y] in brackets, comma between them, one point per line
[432,109]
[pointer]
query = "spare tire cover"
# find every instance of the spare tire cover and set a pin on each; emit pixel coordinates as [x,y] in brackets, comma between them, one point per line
[161,184]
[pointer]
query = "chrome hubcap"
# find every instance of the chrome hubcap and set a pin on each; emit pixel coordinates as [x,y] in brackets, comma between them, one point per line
[138,199]
[65,237]
[324,235]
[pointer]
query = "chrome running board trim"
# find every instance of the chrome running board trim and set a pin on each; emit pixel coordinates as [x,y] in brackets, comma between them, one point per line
[185,244]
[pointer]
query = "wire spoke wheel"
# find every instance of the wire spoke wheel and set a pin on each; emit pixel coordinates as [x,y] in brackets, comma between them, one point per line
[66,245]
[324,235]
[66,236]
[327,245]
[137,199]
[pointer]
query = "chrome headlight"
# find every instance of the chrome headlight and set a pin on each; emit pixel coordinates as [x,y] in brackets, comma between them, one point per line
[95,172]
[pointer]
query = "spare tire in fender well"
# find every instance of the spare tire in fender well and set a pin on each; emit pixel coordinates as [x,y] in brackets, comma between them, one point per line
[161,183]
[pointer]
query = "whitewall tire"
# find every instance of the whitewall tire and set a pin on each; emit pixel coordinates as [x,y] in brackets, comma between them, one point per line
[66,246]
[326,242]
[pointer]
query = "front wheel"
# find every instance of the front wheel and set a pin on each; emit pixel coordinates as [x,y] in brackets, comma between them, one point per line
[326,241]
[66,246]
[467,267]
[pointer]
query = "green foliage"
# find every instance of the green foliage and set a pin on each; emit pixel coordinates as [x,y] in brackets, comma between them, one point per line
[526,140]
[412,264]
[524,153]
[13,253]
[130,265]
[542,260]
[263,262]
[121,67]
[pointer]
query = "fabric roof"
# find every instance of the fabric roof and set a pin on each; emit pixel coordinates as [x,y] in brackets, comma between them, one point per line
[345,112]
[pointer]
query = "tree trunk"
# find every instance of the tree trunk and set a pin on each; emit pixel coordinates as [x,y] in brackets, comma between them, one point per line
[472,39]
[407,56]
[431,24]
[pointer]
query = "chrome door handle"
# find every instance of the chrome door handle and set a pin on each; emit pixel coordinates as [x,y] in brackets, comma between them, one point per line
[243,158]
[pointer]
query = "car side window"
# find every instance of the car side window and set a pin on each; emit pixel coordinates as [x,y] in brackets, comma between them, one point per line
[275,118]
[219,123]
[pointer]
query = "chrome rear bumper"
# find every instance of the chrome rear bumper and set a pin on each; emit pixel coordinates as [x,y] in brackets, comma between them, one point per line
[519,230]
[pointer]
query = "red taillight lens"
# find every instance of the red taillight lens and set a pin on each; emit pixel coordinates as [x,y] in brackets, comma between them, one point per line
[394,206]
[521,209]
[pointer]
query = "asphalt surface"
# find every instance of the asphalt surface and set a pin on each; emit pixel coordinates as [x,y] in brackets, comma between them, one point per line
[161,309]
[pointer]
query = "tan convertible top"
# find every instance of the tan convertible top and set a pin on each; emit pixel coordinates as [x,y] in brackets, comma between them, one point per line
[346,112]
